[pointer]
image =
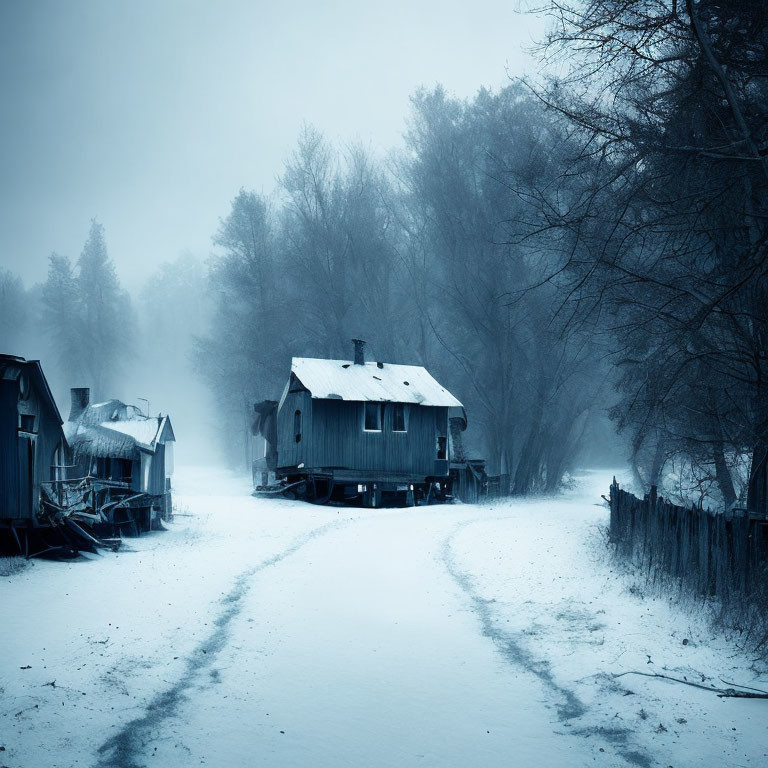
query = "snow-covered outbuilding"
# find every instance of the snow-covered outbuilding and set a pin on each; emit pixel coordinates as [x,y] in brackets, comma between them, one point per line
[352,428]
[32,443]
[118,444]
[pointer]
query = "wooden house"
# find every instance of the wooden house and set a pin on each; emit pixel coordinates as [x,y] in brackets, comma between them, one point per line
[32,444]
[354,429]
[125,452]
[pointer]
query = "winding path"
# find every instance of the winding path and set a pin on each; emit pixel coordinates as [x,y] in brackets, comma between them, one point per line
[361,644]
[279,634]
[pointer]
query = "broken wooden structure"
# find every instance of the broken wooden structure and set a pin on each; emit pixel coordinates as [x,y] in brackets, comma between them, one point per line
[360,432]
[123,460]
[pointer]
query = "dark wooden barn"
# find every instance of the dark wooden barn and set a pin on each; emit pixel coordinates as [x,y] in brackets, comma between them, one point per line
[127,454]
[32,444]
[356,429]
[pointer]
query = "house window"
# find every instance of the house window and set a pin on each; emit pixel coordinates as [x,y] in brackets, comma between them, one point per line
[373,413]
[23,387]
[147,463]
[125,470]
[26,422]
[297,426]
[442,445]
[398,418]
[57,463]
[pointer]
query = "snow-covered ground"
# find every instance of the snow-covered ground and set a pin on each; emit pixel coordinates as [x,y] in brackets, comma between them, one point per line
[272,633]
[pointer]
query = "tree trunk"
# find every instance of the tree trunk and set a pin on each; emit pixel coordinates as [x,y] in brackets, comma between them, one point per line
[723,475]
[529,456]
[756,495]
[658,463]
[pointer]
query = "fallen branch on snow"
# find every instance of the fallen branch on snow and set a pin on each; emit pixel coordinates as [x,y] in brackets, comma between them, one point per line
[723,693]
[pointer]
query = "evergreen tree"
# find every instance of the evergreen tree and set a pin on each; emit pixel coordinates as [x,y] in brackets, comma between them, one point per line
[105,311]
[87,316]
[62,320]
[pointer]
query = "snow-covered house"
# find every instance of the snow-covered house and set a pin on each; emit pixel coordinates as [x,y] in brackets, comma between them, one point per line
[351,428]
[32,443]
[119,445]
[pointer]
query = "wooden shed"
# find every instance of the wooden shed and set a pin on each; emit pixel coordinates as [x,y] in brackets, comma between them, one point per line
[351,428]
[124,451]
[32,443]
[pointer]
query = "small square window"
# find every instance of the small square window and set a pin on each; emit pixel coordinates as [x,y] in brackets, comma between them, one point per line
[373,416]
[398,418]
[26,422]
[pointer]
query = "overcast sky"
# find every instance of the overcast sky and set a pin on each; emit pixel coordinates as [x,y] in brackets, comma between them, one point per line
[151,114]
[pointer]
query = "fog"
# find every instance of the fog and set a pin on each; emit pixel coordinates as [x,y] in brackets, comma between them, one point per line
[558,218]
[150,116]
[193,193]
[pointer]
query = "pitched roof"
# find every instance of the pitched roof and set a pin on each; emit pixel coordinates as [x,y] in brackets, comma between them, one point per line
[95,440]
[11,367]
[146,432]
[377,382]
[116,430]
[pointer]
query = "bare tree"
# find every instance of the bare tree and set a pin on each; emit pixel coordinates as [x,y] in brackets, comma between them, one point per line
[244,355]
[519,374]
[663,212]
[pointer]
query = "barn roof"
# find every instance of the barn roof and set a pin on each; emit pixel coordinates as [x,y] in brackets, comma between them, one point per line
[377,382]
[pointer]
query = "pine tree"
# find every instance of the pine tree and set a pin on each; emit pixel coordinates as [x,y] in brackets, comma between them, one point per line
[61,316]
[88,316]
[105,310]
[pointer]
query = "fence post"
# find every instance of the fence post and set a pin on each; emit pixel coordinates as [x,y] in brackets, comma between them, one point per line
[714,554]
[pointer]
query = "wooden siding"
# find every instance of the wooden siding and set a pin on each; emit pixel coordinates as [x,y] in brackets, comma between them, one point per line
[334,437]
[26,456]
[9,459]
[136,475]
[157,472]
[289,452]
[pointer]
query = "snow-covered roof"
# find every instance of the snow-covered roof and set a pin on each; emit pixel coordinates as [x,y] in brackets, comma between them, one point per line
[116,430]
[95,440]
[144,431]
[378,382]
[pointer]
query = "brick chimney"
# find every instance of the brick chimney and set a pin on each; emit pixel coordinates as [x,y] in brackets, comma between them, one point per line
[359,351]
[80,397]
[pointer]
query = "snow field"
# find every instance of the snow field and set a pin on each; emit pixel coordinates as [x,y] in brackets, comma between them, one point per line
[273,633]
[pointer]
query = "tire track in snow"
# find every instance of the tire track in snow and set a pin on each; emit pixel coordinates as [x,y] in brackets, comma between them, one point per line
[123,749]
[568,705]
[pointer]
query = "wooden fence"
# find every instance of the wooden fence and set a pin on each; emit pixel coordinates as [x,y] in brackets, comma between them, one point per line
[710,553]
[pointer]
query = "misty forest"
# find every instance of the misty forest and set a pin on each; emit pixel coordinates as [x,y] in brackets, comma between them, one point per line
[579,256]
